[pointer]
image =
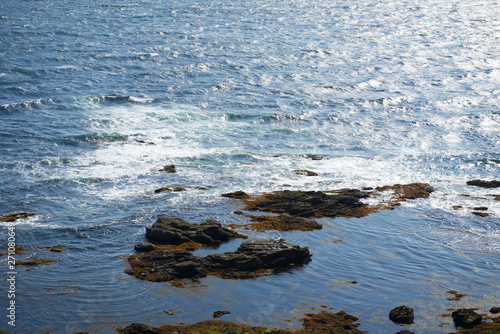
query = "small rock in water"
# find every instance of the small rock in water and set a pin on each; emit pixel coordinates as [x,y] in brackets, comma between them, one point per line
[466,318]
[305,172]
[402,315]
[495,310]
[168,169]
[218,314]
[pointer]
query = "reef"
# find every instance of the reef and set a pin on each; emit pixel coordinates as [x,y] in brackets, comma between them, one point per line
[319,323]
[254,258]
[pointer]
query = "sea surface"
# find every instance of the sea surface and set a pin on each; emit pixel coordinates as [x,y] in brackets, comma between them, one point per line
[97,96]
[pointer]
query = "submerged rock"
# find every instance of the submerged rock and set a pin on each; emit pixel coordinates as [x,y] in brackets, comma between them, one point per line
[319,323]
[466,318]
[175,231]
[253,258]
[280,223]
[402,315]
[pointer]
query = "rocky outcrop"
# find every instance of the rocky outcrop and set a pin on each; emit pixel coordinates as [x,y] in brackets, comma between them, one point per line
[484,183]
[175,231]
[466,318]
[253,258]
[344,203]
[402,315]
[336,203]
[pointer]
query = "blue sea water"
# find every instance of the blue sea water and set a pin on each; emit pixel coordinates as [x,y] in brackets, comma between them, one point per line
[237,95]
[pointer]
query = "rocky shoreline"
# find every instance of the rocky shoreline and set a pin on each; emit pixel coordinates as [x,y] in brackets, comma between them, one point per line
[167,256]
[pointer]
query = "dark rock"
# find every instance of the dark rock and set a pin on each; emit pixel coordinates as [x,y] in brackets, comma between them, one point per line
[175,231]
[405,331]
[402,315]
[145,142]
[237,194]
[305,172]
[11,217]
[218,314]
[480,214]
[495,310]
[168,169]
[162,190]
[144,247]
[466,318]
[253,258]
[344,203]
[484,184]
[178,189]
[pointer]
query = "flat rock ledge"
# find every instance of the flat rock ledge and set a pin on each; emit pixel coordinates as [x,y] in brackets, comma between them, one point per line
[319,323]
[336,203]
[254,258]
[176,231]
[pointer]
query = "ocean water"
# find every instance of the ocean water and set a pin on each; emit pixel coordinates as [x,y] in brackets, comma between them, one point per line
[237,95]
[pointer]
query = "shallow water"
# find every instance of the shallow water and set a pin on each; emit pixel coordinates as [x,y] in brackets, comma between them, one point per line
[237,96]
